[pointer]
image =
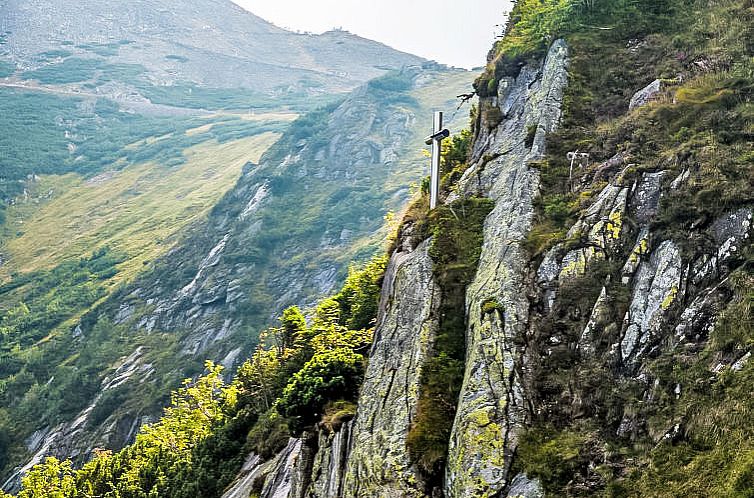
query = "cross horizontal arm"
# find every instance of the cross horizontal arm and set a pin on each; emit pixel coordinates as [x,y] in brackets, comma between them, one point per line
[440,135]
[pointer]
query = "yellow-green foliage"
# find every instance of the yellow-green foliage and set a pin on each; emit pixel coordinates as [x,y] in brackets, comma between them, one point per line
[194,410]
[138,210]
[359,296]
[715,455]
[299,370]
[53,479]
[161,449]
[533,24]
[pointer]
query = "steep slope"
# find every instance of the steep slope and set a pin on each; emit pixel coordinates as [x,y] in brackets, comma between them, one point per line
[602,352]
[287,232]
[260,249]
[124,124]
[83,83]
[575,319]
[103,73]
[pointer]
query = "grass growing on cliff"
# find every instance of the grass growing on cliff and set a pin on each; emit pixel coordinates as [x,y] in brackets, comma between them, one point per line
[456,231]
[701,123]
[712,452]
[696,442]
[534,24]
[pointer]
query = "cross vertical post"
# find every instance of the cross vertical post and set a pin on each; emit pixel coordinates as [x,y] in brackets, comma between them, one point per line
[435,140]
[434,177]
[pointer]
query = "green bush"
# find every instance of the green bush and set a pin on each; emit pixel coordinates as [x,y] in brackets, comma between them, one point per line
[328,376]
[360,295]
[392,88]
[269,435]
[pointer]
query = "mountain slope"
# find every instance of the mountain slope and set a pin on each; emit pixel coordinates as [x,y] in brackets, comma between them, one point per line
[155,318]
[124,124]
[574,319]
[207,43]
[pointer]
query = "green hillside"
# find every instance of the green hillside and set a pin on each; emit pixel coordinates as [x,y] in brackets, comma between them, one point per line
[620,366]
[124,205]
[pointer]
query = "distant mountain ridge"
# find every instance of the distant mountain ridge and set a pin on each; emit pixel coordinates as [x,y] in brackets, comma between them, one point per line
[174,42]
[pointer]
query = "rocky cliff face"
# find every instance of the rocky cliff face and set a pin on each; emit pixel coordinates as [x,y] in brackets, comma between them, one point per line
[491,405]
[607,319]
[582,333]
[379,465]
[367,457]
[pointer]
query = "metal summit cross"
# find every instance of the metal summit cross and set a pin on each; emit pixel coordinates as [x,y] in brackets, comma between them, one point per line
[435,140]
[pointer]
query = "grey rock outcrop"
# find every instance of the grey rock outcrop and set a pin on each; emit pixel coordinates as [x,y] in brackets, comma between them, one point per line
[523,487]
[328,471]
[367,456]
[645,95]
[280,477]
[252,470]
[655,288]
[484,432]
[379,464]
[646,292]
[288,475]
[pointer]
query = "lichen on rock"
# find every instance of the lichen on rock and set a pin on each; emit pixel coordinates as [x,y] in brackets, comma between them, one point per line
[379,465]
[490,403]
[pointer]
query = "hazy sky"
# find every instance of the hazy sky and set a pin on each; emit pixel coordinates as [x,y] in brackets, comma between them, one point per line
[454,32]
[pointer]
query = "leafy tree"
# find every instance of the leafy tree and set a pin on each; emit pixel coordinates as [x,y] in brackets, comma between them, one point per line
[359,298]
[161,451]
[52,479]
[293,325]
[195,409]
[196,448]
[257,380]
